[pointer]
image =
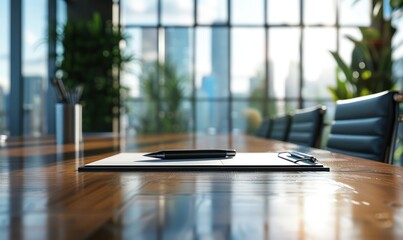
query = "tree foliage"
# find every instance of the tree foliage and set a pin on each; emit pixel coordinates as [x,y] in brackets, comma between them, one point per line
[162,87]
[370,70]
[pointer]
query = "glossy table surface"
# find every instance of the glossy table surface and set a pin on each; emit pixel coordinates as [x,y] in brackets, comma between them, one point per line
[43,196]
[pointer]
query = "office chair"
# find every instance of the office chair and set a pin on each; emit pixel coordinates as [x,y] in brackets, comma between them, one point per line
[264,128]
[306,126]
[366,126]
[280,128]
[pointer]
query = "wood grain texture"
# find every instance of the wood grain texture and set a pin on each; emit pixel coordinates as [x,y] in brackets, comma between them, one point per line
[42,196]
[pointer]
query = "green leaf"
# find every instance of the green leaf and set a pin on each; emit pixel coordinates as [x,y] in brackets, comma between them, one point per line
[343,66]
[365,75]
[341,91]
[365,92]
[364,51]
[396,3]
[385,62]
[333,92]
[369,33]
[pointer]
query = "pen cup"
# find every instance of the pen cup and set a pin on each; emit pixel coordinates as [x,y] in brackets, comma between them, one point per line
[68,123]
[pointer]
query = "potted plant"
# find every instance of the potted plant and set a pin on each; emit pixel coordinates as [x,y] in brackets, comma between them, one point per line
[92,57]
[370,70]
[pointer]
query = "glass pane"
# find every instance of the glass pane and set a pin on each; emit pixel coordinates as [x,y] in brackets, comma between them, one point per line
[346,46]
[34,68]
[398,154]
[283,12]
[148,121]
[397,55]
[319,12]
[247,66]
[397,40]
[354,12]
[284,76]
[61,13]
[4,64]
[177,12]
[139,12]
[281,107]
[179,54]
[212,11]
[142,44]
[150,117]
[211,62]
[246,116]
[212,116]
[247,12]
[319,67]
[291,106]
[130,122]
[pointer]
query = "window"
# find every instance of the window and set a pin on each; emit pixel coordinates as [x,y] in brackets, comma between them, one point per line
[4,65]
[212,12]
[319,66]
[240,60]
[247,12]
[177,12]
[139,12]
[319,12]
[355,12]
[283,12]
[284,61]
[34,66]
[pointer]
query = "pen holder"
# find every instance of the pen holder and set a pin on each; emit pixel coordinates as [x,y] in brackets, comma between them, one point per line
[68,123]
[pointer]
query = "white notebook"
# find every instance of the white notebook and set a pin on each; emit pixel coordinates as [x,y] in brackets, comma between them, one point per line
[242,161]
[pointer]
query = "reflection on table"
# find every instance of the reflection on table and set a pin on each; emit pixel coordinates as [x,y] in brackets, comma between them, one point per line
[42,196]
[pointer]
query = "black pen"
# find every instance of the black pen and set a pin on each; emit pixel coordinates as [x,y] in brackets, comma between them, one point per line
[303,156]
[193,153]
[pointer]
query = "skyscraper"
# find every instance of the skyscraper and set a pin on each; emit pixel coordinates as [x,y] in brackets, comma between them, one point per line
[33,105]
[219,61]
[178,49]
[220,70]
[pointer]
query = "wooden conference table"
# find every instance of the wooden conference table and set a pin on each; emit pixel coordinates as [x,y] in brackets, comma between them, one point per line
[43,196]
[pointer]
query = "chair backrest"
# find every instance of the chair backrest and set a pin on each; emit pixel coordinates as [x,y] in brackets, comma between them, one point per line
[364,126]
[280,128]
[306,126]
[264,128]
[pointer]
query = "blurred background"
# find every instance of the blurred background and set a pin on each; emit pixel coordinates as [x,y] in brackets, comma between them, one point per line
[213,66]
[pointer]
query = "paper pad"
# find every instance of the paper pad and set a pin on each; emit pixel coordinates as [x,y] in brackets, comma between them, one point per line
[241,162]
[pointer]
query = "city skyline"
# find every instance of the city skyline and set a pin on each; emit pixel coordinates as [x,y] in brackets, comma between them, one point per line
[227,56]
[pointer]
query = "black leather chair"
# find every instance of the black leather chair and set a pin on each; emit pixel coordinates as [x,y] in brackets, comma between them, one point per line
[306,126]
[365,126]
[264,128]
[280,128]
